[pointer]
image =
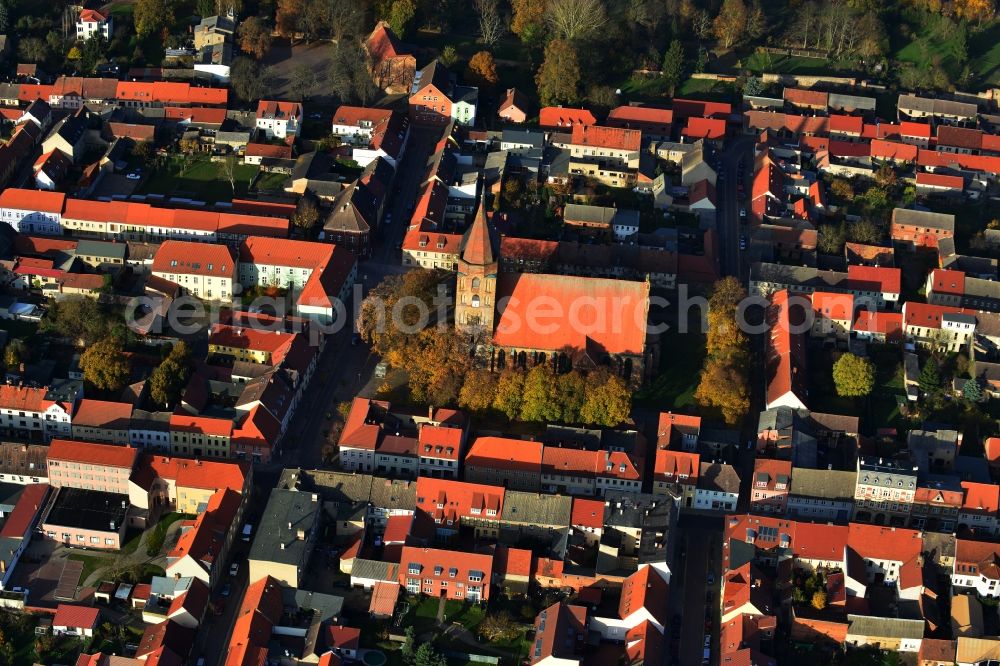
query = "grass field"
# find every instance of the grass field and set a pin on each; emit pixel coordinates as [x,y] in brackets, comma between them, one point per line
[681,357]
[202,180]
[91,563]
[764,62]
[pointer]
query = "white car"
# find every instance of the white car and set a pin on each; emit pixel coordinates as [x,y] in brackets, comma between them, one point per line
[234,568]
[133,176]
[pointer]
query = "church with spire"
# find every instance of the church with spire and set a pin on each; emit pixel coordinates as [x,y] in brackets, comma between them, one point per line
[477,266]
[569,321]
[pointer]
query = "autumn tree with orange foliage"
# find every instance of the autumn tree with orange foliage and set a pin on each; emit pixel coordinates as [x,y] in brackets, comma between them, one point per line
[482,69]
[724,377]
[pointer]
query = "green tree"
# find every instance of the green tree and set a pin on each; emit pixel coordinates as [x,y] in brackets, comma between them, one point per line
[528,21]
[151,16]
[930,377]
[972,391]
[448,57]
[831,238]
[15,353]
[510,393]
[255,36]
[853,376]
[558,78]
[170,377]
[479,390]
[426,655]
[539,400]
[105,365]
[401,12]
[498,627]
[673,65]
[33,49]
[572,391]
[608,402]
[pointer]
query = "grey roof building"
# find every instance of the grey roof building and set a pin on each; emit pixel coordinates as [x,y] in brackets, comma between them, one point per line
[285,536]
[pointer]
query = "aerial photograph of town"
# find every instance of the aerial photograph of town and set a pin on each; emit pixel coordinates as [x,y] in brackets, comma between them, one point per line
[500,332]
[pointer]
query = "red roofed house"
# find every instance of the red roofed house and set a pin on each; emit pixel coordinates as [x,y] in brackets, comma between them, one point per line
[73,620]
[833,314]
[561,634]
[512,569]
[886,554]
[50,170]
[917,134]
[712,129]
[945,287]
[786,359]
[929,183]
[203,544]
[879,326]
[260,612]
[513,463]
[451,504]
[676,473]
[678,431]
[446,573]
[977,566]
[979,508]
[266,153]
[992,446]
[515,107]
[644,598]
[772,480]
[436,101]
[93,23]
[392,66]
[19,526]
[580,472]
[558,118]
[606,144]
[320,275]
[343,641]
[652,122]
[103,467]
[102,421]
[204,270]
[846,127]
[384,597]
[32,211]
[874,287]
[362,433]
[280,120]
[26,413]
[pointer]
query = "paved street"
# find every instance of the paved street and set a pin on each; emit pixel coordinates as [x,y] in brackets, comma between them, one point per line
[700,542]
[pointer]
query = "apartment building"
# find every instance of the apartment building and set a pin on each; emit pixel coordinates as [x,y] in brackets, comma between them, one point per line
[203,270]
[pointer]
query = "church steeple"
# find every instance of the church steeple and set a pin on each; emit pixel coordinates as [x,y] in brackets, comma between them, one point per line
[478,263]
[480,245]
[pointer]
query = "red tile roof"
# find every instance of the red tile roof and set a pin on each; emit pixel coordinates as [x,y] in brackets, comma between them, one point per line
[343,638]
[509,561]
[206,425]
[874,542]
[39,200]
[80,617]
[428,559]
[278,109]
[107,455]
[361,431]
[889,324]
[992,446]
[444,499]
[384,597]
[944,281]
[29,504]
[940,180]
[892,150]
[981,497]
[103,413]
[503,453]
[785,352]
[833,306]
[671,465]
[187,473]
[268,150]
[645,589]
[874,278]
[847,124]
[615,138]
[587,513]
[811,98]
[772,470]
[556,117]
[959,137]
[185,257]
[439,442]
[92,16]
[537,296]
[705,128]
[685,108]
[926,315]
[170,92]
[261,609]
[909,128]
[640,117]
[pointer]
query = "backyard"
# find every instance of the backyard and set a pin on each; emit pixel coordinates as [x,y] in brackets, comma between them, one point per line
[673,387]
[880,409]
[198,178]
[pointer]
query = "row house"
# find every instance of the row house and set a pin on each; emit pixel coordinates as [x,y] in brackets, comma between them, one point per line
[455,504]
[977,567]
[512,463]
[202,549]
[676,473]
[577,472]
[944,327]
[36,413]
[445,573]
[936,504]
[435,100]
[68,92]
[957,289]
[821,494]
[771,486]
[921,229]
[372,133]
[102,421]
[978,512]
[90,466]
[53,214]
[785,354]
[884,491]
[872,287]
[203,270]
[200,436]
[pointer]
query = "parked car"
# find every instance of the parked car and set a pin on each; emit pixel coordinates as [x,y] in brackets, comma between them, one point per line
[711,578]
[226,589]
[132,175]
[234,568]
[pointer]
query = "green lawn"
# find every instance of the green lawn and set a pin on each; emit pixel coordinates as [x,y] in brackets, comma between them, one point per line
[202,180]
[984,53]
[132,538]
[270,182]
[923,39]
[91,563]
[155,541]
[880,409]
